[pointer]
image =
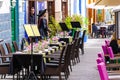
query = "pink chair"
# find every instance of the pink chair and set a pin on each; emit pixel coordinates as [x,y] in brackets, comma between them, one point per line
[110,53]
[100,55]
[104,75]
[102,71]
[104,48]
[107,42]
[99,60]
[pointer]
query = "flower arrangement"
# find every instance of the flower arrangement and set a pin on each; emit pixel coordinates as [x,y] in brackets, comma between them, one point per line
[55,38]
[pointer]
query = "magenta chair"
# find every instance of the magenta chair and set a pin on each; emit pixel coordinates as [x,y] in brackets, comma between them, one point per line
[99,60]
[104,48]
[107,42]
[110,51]
[100,55]
[102,71]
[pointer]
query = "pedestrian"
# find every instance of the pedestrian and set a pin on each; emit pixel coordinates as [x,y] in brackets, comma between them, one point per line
[42,24]
[94,30]
[32,16]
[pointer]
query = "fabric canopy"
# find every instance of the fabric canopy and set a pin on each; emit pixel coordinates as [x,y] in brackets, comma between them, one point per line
[108,2]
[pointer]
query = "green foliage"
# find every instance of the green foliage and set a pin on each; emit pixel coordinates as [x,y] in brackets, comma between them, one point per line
[83,21]
[85,24]
[67,21]
[78,18]
[54,26]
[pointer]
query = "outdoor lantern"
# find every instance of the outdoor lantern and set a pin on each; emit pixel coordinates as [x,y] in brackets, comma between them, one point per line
[13,3]
[1,2]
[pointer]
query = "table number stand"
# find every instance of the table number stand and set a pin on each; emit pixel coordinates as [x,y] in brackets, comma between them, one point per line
[64,28]
[32,32]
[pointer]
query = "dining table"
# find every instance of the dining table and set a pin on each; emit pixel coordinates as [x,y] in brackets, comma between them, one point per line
[22,60]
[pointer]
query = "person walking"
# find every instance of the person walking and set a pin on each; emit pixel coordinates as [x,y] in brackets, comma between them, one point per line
[94,30]
[42,24]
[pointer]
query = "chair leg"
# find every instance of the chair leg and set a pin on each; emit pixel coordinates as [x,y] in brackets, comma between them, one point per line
[60,78]
[65,75]
[13,77]
[78,57]
[82,51]
[4,76]
[70,67]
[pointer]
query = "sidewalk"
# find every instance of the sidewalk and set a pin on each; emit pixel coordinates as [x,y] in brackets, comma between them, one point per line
[87,69]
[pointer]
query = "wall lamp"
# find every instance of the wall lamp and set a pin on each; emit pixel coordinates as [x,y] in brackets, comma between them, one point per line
[13,3]
[1,2]
[23,2]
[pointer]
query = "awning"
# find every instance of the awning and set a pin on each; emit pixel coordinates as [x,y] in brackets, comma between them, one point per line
[104,4]
[38,0]
[108,2]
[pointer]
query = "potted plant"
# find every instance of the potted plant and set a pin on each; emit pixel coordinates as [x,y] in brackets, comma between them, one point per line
[54,26]
[79,18]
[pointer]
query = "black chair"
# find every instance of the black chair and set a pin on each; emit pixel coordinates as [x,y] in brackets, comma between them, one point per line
[24,43]
[8,47]
[55,69]
[82,42]
[15,46]
[5,65]
[76,34]
[3,53]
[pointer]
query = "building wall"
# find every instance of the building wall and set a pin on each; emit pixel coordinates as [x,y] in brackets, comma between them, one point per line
[21,21]
[69,7]
[83,7]
[5,21]
[77,7]
[58,10]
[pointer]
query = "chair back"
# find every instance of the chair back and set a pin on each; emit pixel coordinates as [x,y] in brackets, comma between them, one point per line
[102,71]
[2,52]
[99,60]
[107,42]
[24,43]
[110,51]
[76,34]
[8,47]
[67,56]
[83,36]
[15,46]
[104,48]
[100,55]
[73,49]
[61,56]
